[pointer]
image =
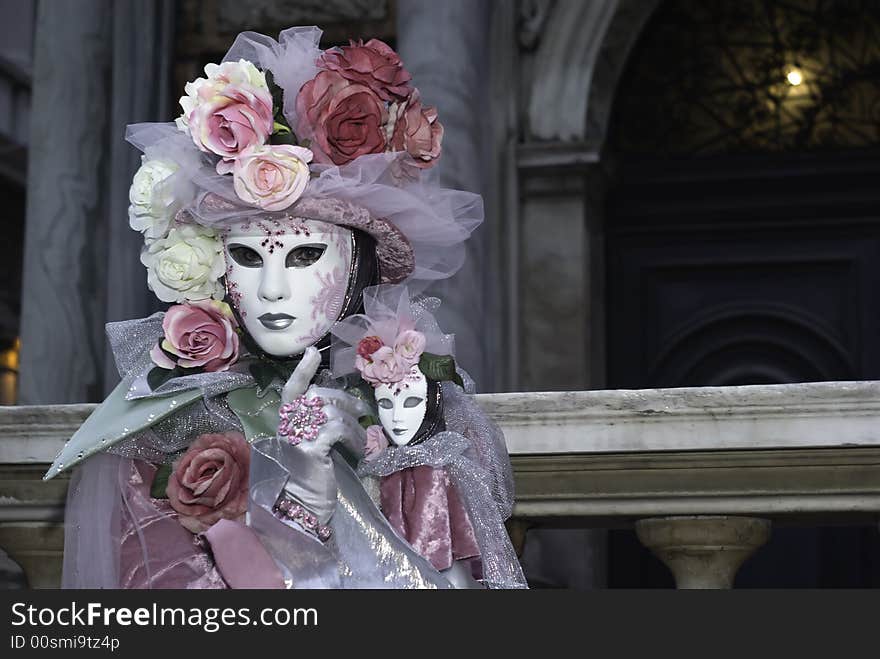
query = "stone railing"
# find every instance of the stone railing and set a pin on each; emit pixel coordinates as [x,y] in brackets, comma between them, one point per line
[701,473]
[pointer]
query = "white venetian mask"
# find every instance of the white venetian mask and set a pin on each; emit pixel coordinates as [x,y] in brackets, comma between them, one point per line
[402,406]
[287,280]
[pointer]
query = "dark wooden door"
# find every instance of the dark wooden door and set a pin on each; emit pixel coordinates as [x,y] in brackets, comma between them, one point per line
[747,270]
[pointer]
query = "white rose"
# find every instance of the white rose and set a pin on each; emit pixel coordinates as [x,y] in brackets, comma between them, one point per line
[153,203]
[185,265]
[188,103]
[237,73]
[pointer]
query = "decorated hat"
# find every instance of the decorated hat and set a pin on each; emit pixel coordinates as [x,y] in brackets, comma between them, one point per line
[395,333]
[285,130]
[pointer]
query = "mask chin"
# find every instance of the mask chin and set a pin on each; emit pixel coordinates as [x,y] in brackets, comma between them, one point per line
[315,295]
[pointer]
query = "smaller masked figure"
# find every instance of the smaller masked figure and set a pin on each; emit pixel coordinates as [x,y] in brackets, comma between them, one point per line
[445,481]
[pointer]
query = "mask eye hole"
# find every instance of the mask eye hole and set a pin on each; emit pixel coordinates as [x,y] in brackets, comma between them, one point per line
[245,256]
[304,255]
[412,401]
[385,403]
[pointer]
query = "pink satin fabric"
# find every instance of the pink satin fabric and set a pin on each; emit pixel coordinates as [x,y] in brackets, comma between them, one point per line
[241,557]
[424,507]
[156,551]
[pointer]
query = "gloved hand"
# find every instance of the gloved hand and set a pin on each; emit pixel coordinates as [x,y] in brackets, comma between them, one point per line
[312,479]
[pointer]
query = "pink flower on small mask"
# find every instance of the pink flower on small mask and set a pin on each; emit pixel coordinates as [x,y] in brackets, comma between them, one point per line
[198,335]
[368,345]
[210,481]
[376,442]
[383,366]
[409,346]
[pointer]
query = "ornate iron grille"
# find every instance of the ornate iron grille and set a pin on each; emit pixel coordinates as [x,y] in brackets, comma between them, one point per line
[716,76]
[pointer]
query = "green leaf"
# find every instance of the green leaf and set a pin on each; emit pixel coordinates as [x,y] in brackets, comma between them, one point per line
[281,129]
[282,138]
[369,420]
[263,373]
[160,482]
[362,391]
[277,95]
[440,368]
[159,376]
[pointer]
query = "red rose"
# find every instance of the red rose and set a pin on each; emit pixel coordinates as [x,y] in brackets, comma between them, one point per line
[368,345]
[344,119]
[374,65]
[417,131]
[210,481]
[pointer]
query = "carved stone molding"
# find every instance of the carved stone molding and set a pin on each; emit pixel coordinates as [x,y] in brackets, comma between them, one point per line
[820,414]
[563,68]
[812,485]
[580,49]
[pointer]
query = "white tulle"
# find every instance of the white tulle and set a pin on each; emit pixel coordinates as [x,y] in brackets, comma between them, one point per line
[92,523]
[292,60]
[435,221]
[388,310]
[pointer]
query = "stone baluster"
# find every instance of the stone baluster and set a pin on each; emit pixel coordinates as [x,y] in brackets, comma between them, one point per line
[703,551]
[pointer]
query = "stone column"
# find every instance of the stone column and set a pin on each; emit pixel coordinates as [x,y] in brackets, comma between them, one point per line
[142,53]
[38,547]
[446,47]
[98,65]
[703,551]
[62,344]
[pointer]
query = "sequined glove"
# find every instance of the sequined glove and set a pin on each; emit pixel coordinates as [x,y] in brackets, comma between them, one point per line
[312,420]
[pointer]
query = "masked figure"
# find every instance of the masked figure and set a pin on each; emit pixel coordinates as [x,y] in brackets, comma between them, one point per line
[294,179]
[445,479]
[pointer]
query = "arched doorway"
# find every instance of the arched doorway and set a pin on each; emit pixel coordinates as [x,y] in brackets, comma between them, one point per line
[743,226]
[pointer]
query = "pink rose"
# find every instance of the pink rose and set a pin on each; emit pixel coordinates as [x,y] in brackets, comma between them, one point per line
[374,65]
[210,481]
[417,131]
[229,111]
[383,367]
[197,335]
[368,345]
[409,346]
[271,177]
[344,119]
[376,442]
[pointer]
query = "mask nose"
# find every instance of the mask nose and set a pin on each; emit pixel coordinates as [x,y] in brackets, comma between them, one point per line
[273,285]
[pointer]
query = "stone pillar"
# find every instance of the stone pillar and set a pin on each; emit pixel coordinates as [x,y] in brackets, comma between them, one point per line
[142,53]
[446,47]
[98,65]
[38,548]
[62,344]
[703,551]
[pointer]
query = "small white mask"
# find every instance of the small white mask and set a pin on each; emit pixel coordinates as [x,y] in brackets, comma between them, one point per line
[402,406]
[287,280]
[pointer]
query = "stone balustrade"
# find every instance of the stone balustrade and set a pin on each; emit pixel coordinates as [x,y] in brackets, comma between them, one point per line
[700,473]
